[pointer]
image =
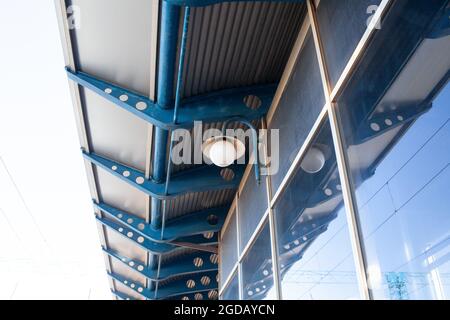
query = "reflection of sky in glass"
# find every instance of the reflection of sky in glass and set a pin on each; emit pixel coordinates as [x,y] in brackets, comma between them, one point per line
[405,216]
[405,219]
[315,252]
[326,270]
[231,292]
[257,275]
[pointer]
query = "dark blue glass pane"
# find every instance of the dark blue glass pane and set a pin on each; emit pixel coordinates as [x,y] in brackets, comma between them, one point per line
[252,205]
[342,24]
[299,108]
[257,269]
[228,248]
[315,254]
[231,292]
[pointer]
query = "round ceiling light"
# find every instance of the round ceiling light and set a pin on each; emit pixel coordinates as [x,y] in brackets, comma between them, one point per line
[313,161]
[223,150]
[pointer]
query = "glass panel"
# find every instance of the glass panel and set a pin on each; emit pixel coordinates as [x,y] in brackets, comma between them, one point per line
[396,122]
[232,290]
[342,24]
[298,109]
[253,203]
[257,269]
[228,248]
[315,254]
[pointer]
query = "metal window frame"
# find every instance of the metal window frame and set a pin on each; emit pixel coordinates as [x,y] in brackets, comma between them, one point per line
[298,45]
[262,223]
[224,286]
[331,94]
[329,112]
[223,283]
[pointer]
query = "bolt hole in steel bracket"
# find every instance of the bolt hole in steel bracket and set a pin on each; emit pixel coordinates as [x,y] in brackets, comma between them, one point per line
[197,223]
[212,107]
[203,178]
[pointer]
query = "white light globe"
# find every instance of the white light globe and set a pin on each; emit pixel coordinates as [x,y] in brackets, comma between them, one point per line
[314,160]
[222,153]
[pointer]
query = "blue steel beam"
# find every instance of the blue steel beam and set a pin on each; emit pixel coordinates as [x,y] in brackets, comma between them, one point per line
[293,244]
[200,262]
[204,3]
[263,275]
[204,178]
[304,229]
[178,94]
[210,107]
[198,223]
[168,40]
[150,246]
[175,288]
[379,124]
[210,295]
[324,193]
[121,296]
[156,248]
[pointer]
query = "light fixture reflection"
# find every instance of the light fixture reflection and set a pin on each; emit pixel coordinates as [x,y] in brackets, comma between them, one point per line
[313,161]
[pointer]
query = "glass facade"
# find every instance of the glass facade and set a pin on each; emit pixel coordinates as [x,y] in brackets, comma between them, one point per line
[342,24]
[398,149]
[303,95]
[252,204]
[229,247]
[257,270]
[231,292]
[359,208]
[315,255]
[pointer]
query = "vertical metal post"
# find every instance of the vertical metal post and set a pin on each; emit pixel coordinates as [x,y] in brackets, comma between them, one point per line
[170,15]
[178,94]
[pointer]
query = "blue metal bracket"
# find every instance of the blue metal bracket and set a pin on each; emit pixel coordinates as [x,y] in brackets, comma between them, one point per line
[292,249]
[156,247]
[324,193]
[203,178]
[199,223]
[175,288]
[301,231]
[211,107]
[200,262]
[211,295]
[122,296]
[153,247]
[379,124]
[204,3]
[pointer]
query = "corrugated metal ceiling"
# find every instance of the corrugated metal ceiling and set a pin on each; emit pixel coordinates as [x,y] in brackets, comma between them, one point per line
[239,44]
[229,45]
